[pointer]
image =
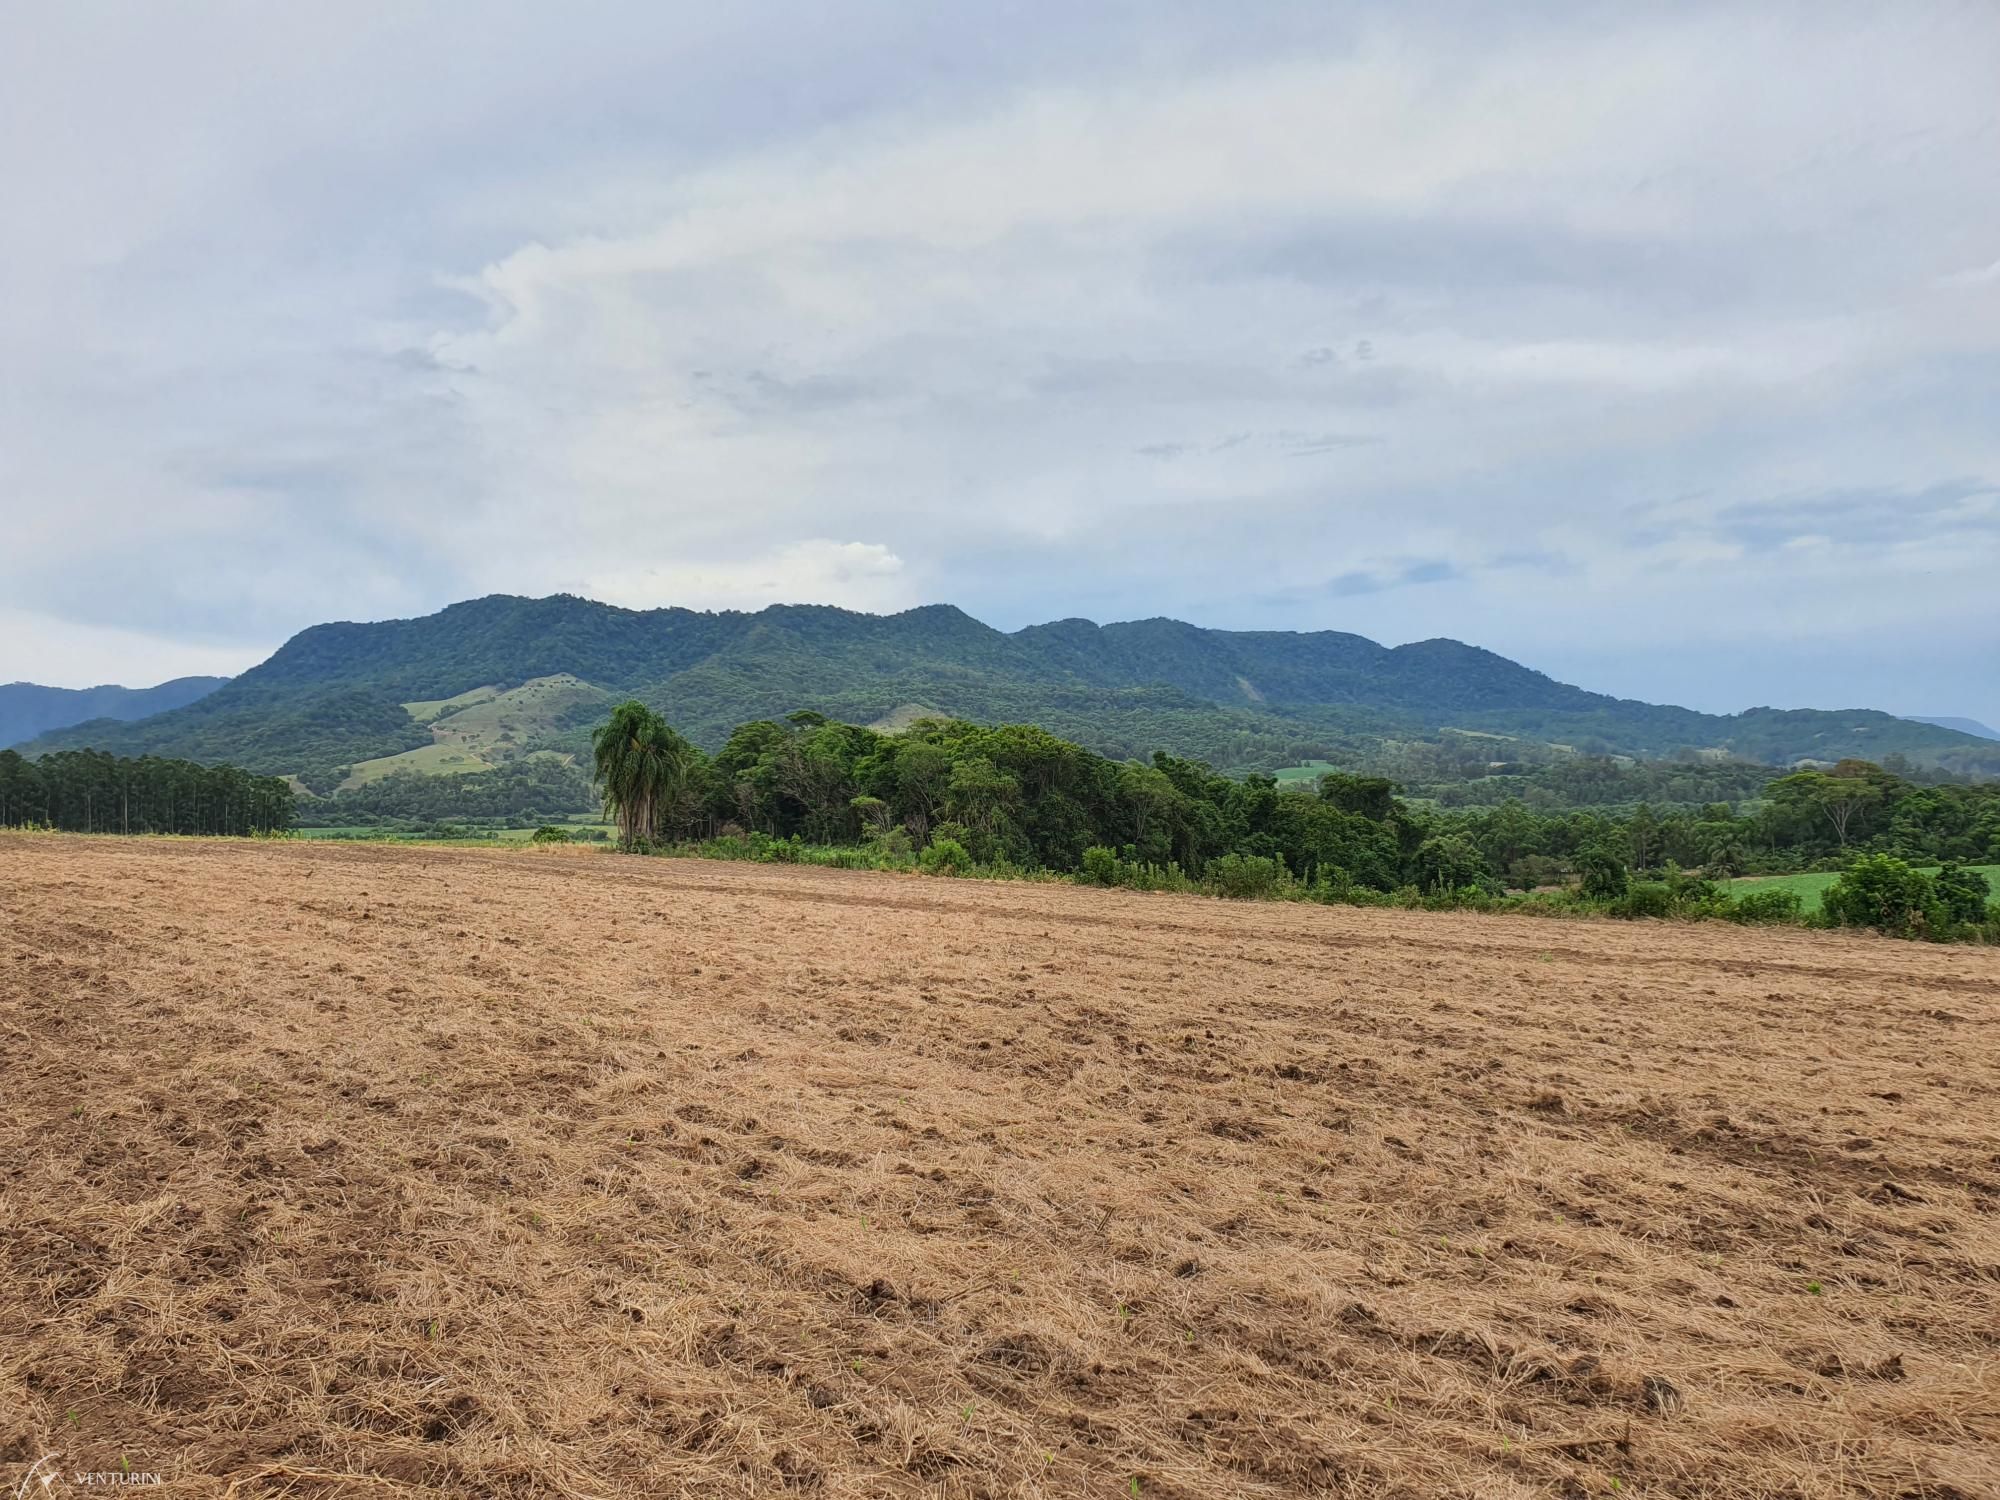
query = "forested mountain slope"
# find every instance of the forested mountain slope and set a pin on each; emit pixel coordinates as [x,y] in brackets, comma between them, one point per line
[338,695]
[28,709]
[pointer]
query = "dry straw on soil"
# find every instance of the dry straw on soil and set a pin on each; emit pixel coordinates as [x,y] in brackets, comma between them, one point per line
[369,1171]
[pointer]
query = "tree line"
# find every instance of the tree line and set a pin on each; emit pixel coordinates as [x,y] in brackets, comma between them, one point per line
[1010,793]
[1817,819]
[90,791]
[952,797]
[1015,793]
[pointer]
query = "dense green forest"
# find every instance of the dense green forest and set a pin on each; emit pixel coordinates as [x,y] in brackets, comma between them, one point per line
[1018,793]
[1806,820]
[88,791]
[1575,781]
[334,695]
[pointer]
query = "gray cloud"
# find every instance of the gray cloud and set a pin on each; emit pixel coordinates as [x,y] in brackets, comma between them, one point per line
[1877,517]
[1306,444]
[1349,584]
[1537,329]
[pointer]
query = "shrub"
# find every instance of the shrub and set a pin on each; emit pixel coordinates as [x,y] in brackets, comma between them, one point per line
[737,845]
[1760,908]
[894,847]
[1465,898]
[945,857]
[1245,877]
[1962,893]
[1448,863]
[957,833]
[1645,899]
[1604,875]
[1882,892]
[1100,866]
[1535,870]
[1693,896]
[548,833]
[1144,877]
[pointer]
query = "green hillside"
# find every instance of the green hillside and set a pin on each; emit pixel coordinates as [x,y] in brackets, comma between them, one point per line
[341,696]
[487,727]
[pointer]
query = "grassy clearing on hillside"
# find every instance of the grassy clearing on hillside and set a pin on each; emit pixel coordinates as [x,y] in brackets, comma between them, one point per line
[1307,771]
[425,710]
[477,730]
[499,726]
[466,1174]
[427,760]
[1811,887]
[900,718]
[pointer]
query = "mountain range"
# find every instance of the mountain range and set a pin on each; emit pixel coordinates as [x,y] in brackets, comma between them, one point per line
[501,678]
[1963,726]
[28,709]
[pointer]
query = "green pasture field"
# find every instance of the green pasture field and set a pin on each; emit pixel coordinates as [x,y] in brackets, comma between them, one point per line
[427,760]
[494,726]
[1307,771]
[1810,887]
[427,709]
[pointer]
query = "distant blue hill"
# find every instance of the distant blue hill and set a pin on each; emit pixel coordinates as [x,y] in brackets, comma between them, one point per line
[1963,726]
[28,709]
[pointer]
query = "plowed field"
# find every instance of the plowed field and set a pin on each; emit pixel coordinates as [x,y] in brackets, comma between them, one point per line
[371,1170]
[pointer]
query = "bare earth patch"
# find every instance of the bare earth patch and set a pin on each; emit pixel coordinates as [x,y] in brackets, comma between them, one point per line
[367,1170]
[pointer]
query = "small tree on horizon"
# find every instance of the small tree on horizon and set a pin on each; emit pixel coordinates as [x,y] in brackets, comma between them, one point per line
[641,765]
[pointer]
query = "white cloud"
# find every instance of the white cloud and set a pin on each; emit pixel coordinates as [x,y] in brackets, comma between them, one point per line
[1162,310]
[856,575]
[1976,276]
[66,654]
[981,303]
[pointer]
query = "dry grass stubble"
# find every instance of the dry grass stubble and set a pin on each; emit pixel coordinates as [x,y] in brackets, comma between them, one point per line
[372,1170]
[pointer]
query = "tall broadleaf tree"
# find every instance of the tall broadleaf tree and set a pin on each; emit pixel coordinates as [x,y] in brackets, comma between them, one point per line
[642,767]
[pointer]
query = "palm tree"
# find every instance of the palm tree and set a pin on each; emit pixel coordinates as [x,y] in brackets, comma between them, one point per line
[642,765]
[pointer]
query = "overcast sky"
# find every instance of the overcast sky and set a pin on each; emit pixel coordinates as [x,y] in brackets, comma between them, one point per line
[1657,348]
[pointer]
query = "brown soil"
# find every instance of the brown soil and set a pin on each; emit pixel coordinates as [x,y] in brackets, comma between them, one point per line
[351,1171]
